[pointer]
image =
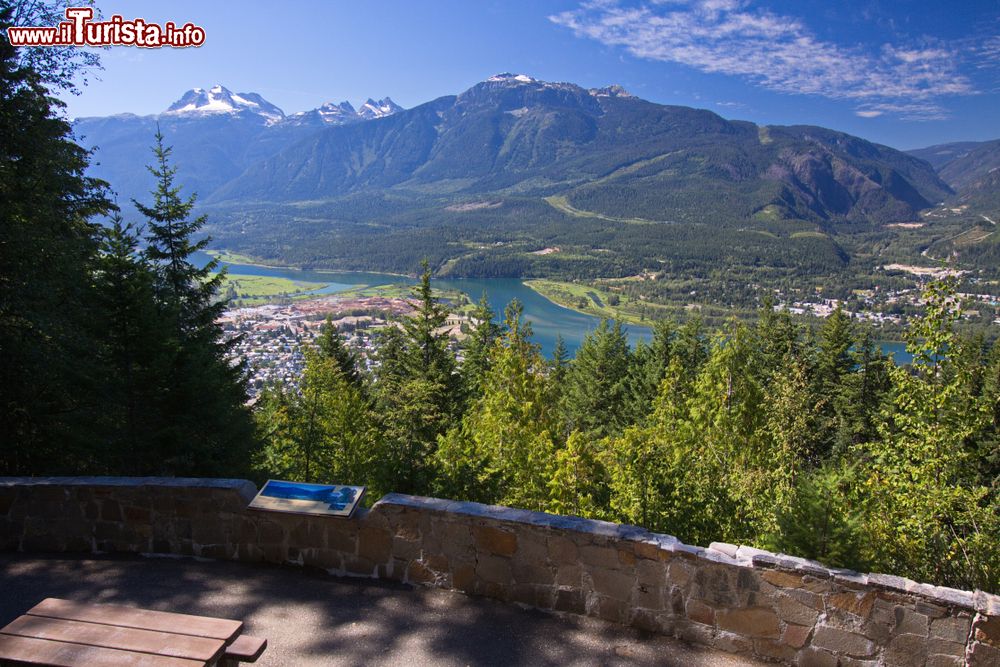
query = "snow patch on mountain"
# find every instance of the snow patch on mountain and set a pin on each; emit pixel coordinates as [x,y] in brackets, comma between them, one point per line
[219,99]
[380,109]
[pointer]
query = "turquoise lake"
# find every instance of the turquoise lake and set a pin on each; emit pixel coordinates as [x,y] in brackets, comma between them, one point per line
[547,319]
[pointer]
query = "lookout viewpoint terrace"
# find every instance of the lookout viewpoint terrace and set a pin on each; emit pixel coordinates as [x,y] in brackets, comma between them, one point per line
[385,586]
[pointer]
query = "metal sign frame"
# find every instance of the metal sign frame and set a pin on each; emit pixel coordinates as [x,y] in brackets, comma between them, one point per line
[334,500]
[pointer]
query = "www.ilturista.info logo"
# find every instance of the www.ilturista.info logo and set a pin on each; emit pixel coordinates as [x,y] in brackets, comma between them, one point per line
[79,30]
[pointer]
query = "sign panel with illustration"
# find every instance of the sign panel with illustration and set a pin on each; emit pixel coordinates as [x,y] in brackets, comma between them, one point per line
[302,498]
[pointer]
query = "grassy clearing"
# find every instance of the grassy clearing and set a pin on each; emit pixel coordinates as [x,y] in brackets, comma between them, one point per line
[562,204]
[257,290]
[597,302]
[233,257]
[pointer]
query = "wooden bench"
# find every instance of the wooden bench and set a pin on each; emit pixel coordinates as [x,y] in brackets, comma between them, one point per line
[64,633]
[244,649]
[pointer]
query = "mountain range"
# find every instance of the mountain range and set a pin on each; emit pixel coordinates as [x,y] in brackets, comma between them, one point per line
[526,151]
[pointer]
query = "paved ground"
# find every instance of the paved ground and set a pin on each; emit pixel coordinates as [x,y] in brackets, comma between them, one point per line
[312,618]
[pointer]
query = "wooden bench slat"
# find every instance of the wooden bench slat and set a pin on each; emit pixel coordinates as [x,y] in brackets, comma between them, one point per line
[246,648]
[143,619]
[32,651]
[110,636]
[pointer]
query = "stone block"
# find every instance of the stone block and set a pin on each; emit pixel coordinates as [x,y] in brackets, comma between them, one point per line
[757,622]
[494,569]
[7,497]
[792,611]
[532,595]
[680,572]
[342,537]
[696,633]
[796,636]
[771,649]
[733,643]
[464,577]
[945,647]
[647,597]
[857,662]
[988,629]
[951,628]
[606,557]
[532,547]
[612,583]
[405,549]
[715,585]
[782,579]
[930,610]
[308,533]
[650,572]
[360,566]
[611,609]
[699,612]
[814,657]
[44,543]
[945,661]
[526,573]
[858,604]
[906,649]
[137,514]
[494,540]
[650,551]
[375,544]
[909,622]
[111,510]
[645,619]
[570,600]
[419,573]
[270,532]
[842,642]
[984,655]
[569,575]
[455,535]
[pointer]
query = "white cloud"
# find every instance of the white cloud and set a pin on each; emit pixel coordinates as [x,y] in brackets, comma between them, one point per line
[775,52]
[868,113]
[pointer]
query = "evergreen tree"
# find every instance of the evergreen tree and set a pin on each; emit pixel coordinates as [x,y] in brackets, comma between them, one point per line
[577,479]
[418,394]
[133,353]
[331,345]
[596,385]
[323,433]
[560,362]
[504,448]
[207,428]
[477,348]
[47,249]
[834,367]
[823,521]
[648,366]
[928,516]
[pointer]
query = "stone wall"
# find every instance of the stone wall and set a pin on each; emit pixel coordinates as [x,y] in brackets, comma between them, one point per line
[737,599]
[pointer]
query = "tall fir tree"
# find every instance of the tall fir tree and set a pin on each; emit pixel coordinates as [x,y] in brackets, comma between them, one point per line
[596,386]
[133,352]
[48,245]
[418,393]
[477,348]
[206,426]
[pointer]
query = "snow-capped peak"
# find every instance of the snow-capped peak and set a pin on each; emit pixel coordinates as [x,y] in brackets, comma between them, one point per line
[507,76]
[218,99]
[610,91]
[384,107]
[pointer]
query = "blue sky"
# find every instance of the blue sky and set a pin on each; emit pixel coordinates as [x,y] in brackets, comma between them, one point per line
[907,73]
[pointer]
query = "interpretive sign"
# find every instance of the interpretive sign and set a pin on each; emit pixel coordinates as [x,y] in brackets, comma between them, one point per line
[302,498]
